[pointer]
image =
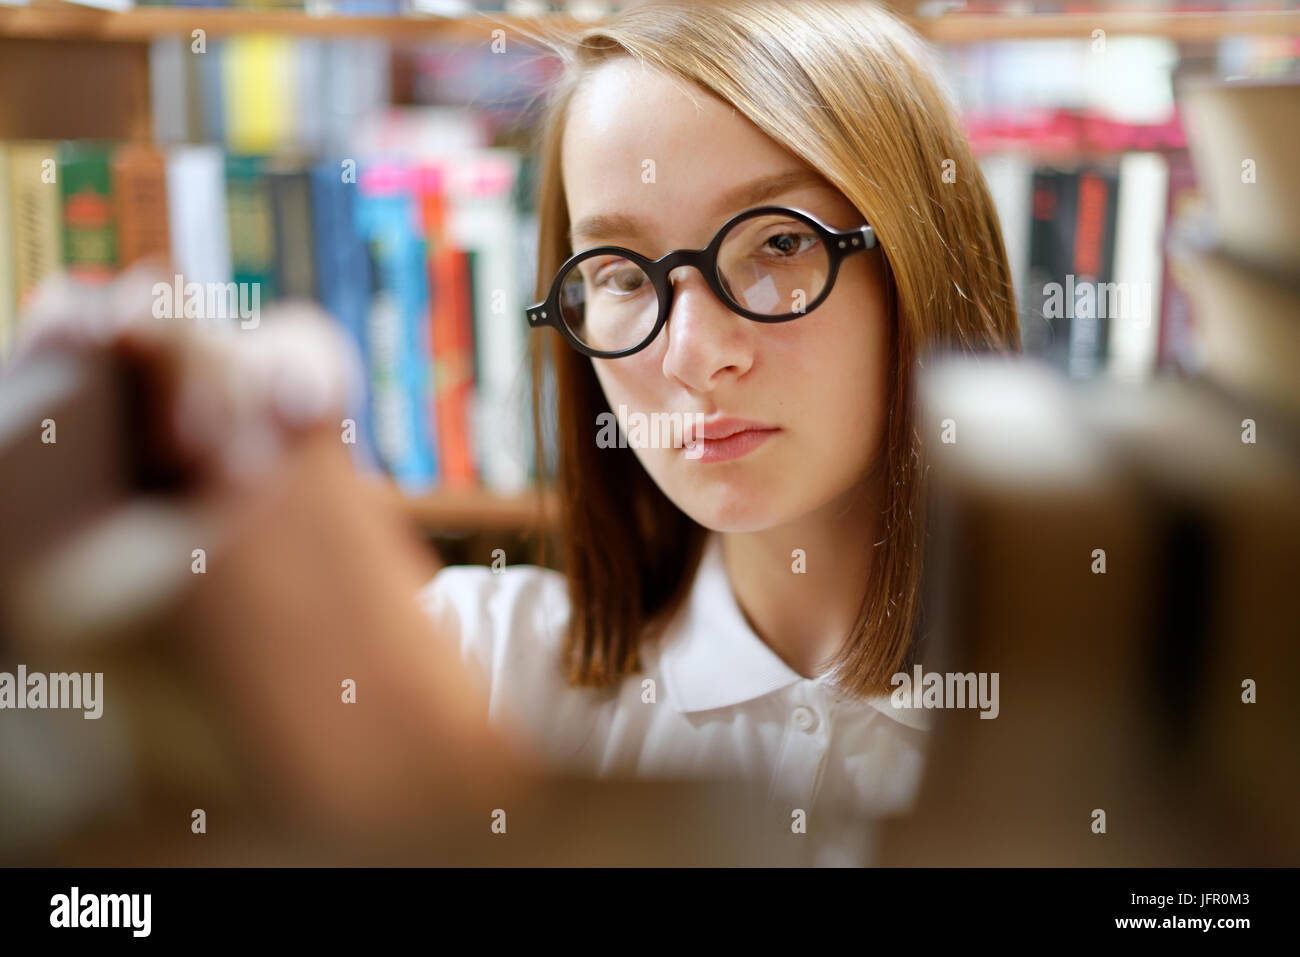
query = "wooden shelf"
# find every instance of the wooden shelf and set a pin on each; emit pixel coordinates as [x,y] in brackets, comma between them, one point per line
[468,510]
[68,21]
[144,23]
[959,29]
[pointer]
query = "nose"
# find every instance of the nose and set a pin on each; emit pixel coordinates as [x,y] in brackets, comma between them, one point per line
[706,341]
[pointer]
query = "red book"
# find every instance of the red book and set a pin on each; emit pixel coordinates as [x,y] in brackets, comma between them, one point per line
[450,337]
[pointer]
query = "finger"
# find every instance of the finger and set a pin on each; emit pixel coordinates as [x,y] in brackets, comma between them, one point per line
[60,312]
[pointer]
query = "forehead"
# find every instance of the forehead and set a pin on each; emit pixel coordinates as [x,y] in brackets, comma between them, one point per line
[642,144]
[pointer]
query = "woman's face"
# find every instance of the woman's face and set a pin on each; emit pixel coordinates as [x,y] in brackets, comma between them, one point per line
[811,393]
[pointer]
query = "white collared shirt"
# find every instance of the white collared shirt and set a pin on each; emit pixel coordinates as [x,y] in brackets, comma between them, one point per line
[713,700]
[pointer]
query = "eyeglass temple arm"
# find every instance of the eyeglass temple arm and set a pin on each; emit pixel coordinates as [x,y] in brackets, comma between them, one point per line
[868,236]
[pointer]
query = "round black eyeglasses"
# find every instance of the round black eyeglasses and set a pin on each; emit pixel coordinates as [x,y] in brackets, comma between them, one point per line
[770,264]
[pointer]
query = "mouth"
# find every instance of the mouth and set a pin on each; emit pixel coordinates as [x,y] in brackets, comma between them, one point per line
[721,440]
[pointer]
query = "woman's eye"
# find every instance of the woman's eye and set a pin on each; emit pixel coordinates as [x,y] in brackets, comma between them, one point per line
[623,278]
[789,243]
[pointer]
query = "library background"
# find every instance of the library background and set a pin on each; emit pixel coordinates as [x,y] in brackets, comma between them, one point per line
[222,134]
[374,156]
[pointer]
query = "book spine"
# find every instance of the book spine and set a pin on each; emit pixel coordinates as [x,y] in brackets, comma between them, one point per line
[1093,241]
[344,283]
[1176,347]
[255,94]
[485,223]
[452,360]
[140,185]
[197,214]
[397,329]
[8,289]
[1139,229]
[1049,305]
[89,235]
[252,231]
[295,268]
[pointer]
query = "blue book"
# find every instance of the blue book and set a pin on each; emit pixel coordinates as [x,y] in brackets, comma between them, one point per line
[397,327]
[345,284]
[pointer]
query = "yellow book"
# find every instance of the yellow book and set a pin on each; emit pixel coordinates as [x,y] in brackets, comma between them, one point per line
[257,85]
[35,211]
[8,295]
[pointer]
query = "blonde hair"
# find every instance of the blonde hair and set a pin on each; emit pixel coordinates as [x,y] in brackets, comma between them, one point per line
[852,91]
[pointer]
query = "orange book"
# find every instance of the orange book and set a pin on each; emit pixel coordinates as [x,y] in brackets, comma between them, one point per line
[140,192]
[453,356]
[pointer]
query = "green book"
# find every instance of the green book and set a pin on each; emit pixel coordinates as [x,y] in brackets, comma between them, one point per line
[86,189]
[252,224]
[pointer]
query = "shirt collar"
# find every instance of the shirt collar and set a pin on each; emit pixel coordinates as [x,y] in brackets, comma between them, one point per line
[713,659]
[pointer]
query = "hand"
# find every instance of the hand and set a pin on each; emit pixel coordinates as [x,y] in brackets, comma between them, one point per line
[308,594]
[221,402]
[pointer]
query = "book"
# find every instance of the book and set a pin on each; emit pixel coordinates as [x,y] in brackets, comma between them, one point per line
[257,92]
[252,228]
[1010,181]
[1093,262]
[450,323]
[483,222]
[397,327]
[1177,346]
[8,292]
[1139,260]
[197,215]
[140,194]
[344,280]
[1048,305]
[89,228]
[289,189]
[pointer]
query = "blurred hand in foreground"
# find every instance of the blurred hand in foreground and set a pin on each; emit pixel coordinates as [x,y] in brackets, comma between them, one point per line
[303,633]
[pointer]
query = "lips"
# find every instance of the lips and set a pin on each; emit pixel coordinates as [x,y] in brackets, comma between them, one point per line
[724,439]
[712,430]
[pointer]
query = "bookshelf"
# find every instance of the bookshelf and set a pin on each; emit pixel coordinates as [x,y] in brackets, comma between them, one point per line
[102,92]
[141,24]
[71,22]
[479,510]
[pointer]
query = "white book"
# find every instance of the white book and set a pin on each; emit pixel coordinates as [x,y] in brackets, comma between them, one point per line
[167,89]
[196,213]
[1139,261]
[355,86]
[308,113]
[1010,179]
[483,220]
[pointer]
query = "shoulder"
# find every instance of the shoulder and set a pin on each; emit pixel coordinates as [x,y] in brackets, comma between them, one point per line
[515,616]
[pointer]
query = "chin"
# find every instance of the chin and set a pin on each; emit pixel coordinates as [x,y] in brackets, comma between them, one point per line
[726,508]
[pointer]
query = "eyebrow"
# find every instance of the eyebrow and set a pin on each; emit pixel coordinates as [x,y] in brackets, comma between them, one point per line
[605,226]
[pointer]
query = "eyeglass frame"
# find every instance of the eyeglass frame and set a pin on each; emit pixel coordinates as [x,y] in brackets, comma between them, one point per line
[840,244]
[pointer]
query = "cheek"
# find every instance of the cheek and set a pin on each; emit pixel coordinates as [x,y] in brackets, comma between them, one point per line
[836,371]
[635,381]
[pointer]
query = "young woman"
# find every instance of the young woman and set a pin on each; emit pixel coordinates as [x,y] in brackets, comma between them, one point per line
[755,218]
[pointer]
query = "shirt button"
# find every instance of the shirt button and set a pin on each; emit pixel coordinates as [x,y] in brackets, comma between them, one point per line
[805,719]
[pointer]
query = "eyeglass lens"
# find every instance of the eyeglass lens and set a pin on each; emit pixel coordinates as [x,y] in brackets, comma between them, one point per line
[772,265]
